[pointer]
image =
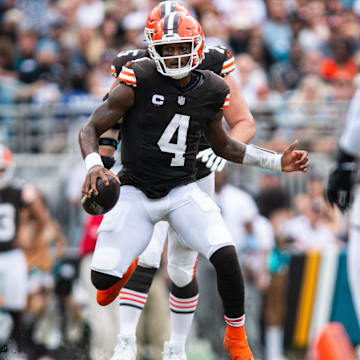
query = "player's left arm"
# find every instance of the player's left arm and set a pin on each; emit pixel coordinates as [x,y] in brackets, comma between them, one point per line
[229,148]
[240,120]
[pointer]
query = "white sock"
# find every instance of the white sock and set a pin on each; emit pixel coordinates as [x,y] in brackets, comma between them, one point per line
[131,305]
[180,325]
[129,319]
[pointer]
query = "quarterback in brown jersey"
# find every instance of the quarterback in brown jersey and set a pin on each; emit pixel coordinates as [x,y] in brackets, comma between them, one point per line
[181,261]
[166,104]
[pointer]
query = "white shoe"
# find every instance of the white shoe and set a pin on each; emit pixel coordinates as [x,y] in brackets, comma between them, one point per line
[125,348]
[173,351]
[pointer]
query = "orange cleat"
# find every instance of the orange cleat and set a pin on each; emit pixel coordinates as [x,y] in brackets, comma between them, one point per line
[235,343]
[106,297]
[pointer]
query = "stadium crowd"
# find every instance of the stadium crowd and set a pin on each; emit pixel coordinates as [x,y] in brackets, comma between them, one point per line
[290,54]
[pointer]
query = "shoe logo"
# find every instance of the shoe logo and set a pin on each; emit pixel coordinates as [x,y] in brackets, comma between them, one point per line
[158,100]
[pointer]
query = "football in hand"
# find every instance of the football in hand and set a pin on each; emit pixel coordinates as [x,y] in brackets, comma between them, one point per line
[106,199]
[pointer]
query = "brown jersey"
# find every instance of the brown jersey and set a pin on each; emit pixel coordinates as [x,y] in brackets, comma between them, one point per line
[217,59]
[162,130]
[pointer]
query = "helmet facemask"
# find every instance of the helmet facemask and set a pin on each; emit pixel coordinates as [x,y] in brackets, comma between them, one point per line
[180,71]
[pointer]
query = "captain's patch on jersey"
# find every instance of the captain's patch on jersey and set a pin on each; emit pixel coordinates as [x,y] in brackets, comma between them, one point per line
[127,76]
[226,102]
[228,66]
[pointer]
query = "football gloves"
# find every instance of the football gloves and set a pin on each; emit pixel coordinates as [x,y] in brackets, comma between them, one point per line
[340,182]
[212,161]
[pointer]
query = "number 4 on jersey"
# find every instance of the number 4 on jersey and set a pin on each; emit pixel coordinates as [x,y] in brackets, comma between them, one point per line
[180,123]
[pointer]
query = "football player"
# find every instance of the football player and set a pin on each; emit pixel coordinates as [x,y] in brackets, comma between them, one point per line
[181,262]
[165,105]
[340,191]
[14,197]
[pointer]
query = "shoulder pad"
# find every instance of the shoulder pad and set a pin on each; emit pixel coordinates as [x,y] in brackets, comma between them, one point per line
[137,69]
[125,56]
[218,59]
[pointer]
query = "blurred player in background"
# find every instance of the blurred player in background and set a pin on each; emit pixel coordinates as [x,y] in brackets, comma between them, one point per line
[340,191]
[181,263]
[15,196]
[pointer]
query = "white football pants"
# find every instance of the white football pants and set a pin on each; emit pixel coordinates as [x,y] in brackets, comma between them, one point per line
[127,229]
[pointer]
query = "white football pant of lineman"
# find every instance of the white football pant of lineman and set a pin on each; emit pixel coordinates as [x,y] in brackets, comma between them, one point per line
[354,254]
[127,229]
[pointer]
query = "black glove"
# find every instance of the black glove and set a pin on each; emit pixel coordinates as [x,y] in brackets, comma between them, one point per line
[340,183]
[108,162]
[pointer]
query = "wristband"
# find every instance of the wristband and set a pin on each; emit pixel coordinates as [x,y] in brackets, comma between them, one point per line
[92,159]
[263,158]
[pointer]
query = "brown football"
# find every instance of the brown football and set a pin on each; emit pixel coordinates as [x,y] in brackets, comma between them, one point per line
[105,200]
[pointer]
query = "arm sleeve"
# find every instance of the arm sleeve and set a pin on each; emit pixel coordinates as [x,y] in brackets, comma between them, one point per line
[349,140]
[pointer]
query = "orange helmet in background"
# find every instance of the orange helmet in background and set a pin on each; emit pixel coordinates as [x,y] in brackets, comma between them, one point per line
[177,28]
[6,166]
[159,12]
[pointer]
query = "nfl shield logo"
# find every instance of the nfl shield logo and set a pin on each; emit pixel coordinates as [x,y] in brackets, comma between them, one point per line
[181,100]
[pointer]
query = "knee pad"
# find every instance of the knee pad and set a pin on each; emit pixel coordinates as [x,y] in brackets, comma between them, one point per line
[103,281]
[179,275]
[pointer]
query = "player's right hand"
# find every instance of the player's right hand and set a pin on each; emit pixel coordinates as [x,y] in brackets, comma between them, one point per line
[93,174]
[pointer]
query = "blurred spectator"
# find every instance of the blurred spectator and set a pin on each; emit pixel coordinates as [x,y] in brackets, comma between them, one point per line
[133,26]
[250,78]
[343,87]
[90,13]
[100,79]
[213,28]
[25,62]
[287,75]
[341,59]
[276,31]
[317,31]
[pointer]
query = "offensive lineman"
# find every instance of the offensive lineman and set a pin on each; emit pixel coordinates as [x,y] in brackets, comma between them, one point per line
[181,261]
[162,124]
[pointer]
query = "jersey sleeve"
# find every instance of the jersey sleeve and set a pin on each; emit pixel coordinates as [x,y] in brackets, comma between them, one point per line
[138,73]
[219,60]
[226,102]
[124,57]
[127,75]
[228,65]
